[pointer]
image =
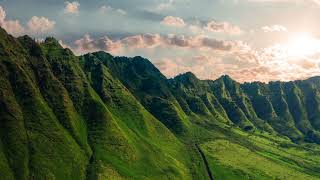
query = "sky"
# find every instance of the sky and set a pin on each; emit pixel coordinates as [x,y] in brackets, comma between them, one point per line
[249,40]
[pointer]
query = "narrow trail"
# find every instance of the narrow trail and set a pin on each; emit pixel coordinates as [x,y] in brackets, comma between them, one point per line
[205,162]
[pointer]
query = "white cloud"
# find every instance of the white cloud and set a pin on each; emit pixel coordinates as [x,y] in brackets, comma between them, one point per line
[142,41]
[108,9]
[40,24]
[72,7]
[310,2]
[316,2]
[215,26]
[199,27]
[105,8]
[2,15]
[196,29]
[164,6]
[201,65]
[274,28]
[11,26]
[173,21]
[36,25]
[121,11]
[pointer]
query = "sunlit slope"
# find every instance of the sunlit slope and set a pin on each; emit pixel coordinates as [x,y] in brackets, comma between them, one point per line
[261,156]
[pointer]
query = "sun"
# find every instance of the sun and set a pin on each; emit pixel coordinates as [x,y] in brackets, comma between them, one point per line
[301,45]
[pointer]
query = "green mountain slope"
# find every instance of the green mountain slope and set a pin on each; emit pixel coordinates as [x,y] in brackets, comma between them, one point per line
[102,117]
[62,117]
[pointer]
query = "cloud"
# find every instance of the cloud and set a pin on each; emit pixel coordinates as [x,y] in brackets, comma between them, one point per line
[202,43]
[173,21]
[207,63]
[265,1]
[12,27]
[172,67]
[72,7]
[316,2]
[212,67]
[310,2]
[241,62]
[200,27]
[274,28]
[203,66]
[2,15]
[203,27]
[196,29]
[36,25]
[257,73]
[215,26]
[105,9]
[211,57]
[121,11]
[148,41]
[217,44]
[164,6]
[40,24]
[63,44]
[142,41]
[87,44]
[284,62]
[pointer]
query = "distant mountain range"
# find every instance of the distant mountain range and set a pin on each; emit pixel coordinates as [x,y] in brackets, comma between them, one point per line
[102,117]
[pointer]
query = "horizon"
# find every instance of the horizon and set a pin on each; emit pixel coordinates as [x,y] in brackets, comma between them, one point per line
[249,40]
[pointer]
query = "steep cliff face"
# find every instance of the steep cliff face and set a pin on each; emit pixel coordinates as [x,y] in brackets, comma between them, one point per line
[102,117]
[287,107]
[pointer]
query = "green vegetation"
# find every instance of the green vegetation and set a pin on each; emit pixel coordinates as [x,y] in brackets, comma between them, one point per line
[102,117]
[262,160]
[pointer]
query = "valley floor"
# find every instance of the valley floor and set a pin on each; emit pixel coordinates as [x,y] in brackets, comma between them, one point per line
[259,156]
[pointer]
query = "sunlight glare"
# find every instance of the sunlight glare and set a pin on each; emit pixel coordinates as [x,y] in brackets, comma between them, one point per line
[301,45]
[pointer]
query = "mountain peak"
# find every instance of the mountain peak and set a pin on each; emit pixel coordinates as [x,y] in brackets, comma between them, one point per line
[188,79]
[53,47]
[186,75]
[26,39]
[102,53]
[226,79]
[51,41]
